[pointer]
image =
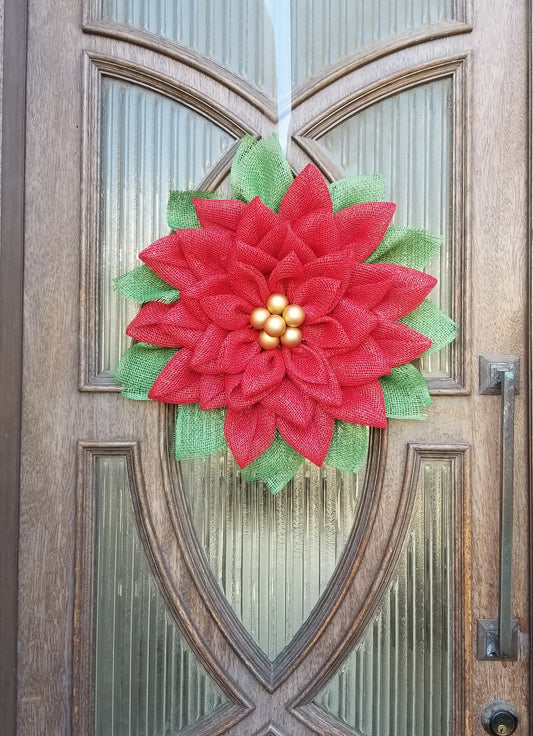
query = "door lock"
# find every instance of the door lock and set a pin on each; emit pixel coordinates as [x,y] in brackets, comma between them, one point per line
[499,718]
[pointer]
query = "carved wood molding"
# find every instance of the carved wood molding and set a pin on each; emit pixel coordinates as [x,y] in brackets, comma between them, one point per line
[272,674]
[458,455]
[175,50]
[374,52]
[456,68]
[83,648]
[96,66]
[92,23]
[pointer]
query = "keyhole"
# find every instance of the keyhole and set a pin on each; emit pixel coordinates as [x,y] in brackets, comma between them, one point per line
[499,718]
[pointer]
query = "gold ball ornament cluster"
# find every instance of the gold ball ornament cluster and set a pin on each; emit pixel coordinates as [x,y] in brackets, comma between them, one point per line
[278,322]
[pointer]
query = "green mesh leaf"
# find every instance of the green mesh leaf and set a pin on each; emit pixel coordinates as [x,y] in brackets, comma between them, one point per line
[260,169]
[139,367]
[433,323]
[405,392]
[357,189]
[180,209]
[406,247]
[349,446]
[143,285]
[275,467]
[198,433]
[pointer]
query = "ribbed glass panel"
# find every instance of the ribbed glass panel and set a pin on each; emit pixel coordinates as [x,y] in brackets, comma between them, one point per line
[248,36]
[398,679]
[273,556]
[146,681]
[408,138]
[149,145]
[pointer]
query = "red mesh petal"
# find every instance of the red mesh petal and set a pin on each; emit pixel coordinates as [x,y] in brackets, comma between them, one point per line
[226,213]
[318,296]
[293,244]
[236,398]
[206,351]
[326,332]
[228,311]
[319,231]
[152,326]
[306,363]
[312,374]
[365,363]
[249,432]
[263,373]
[357,321]
[273,241]
[237,350]
[369,285]
[289,402]
[400,343]
[363,226]
[338,265]
[249,283]
[410,288]
[208,251]
[212,392]
[256,222]
[307,193]
[362,405]
[165,258]
[286,276]
[313,440]
[177,383]
[255,257]
[194,296]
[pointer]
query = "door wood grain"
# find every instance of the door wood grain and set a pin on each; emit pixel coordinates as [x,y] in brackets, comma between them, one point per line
[67,421]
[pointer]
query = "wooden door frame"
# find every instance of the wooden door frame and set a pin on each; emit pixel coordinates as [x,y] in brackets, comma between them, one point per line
[14,55]
[11,294]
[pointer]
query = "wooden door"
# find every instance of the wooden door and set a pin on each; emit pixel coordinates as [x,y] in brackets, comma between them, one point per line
[144,606]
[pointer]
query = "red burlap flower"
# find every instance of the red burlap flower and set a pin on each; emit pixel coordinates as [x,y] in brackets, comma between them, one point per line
[243,253]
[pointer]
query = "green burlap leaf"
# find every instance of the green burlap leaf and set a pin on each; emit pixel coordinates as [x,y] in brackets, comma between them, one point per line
[199,432]
[143,285]
[260,169]
[405,392]
[139,367]
[357,189]
[180,209]
[276,466]
[405,246]
[430,321]
[349,446]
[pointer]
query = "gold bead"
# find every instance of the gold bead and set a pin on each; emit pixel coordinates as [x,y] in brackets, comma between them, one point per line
[258,317]
[275,325]
[276,303]
[268,342]
[291,337]
[294,315]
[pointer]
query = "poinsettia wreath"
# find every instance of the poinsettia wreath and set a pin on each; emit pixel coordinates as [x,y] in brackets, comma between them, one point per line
[283,322]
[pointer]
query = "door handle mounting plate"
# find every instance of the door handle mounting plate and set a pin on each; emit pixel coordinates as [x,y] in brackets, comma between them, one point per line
[488,640]
[490,369]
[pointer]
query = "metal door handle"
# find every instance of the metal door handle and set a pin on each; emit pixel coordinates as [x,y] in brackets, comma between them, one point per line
[498,639]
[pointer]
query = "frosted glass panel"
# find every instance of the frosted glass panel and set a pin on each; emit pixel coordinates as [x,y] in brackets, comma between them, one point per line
[273,556]
[398,679]
[146,681]
[408,139]
[247,36]
[149,145]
